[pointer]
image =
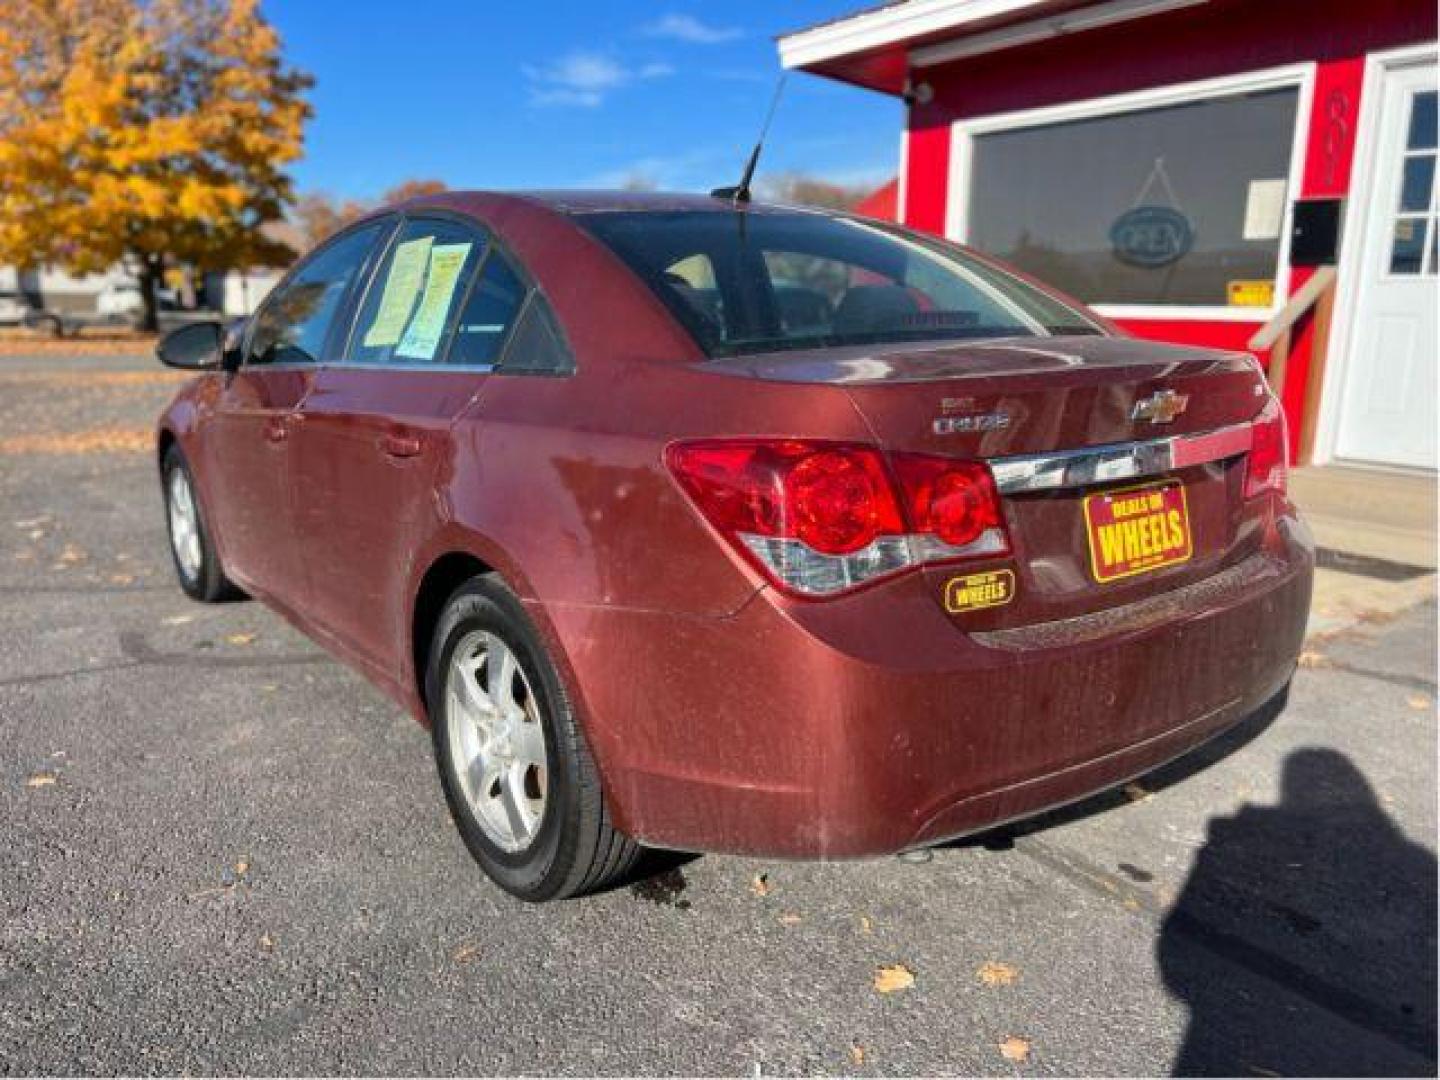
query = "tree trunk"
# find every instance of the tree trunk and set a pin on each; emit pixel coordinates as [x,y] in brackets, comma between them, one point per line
[152,269]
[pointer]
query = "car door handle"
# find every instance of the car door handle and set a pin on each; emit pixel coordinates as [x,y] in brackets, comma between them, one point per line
[400,446]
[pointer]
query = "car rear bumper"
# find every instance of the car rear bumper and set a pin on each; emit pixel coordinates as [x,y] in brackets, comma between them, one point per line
[870,724]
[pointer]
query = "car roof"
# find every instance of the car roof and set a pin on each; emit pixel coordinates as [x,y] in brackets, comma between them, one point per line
[601,201]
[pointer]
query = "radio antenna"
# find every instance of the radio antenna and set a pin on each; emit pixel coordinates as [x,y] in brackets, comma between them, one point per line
[740,193]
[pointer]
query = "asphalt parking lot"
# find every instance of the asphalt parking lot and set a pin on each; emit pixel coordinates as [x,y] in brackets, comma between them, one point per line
[225,853]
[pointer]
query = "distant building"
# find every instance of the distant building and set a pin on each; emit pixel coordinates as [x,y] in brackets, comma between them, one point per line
[1186,167]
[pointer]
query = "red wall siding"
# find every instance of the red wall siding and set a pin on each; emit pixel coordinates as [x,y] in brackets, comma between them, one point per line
[1223,37]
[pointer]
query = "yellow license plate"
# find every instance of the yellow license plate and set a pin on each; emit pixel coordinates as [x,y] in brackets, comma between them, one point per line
[1134,530]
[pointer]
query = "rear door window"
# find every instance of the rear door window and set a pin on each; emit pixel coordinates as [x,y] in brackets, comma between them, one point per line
[488,314]
[412,301]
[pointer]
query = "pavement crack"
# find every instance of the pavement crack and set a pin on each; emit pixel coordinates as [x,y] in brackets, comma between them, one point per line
[1410,682]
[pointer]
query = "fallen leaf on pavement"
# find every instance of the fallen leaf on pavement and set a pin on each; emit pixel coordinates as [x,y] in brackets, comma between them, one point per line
[41,779]
[893,977]
[866,926]
[242,868]
[465,953]
[857,1054]
[760,885]
[178,620]
[240,639]
[267,942]
[1312,659]
[993,973]
[1015,1049]
[1135,793]
[1418,701]
[789,918]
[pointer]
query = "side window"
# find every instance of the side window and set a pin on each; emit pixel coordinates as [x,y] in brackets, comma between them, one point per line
[412,299]
[487,315]
[294,323]
[537,344]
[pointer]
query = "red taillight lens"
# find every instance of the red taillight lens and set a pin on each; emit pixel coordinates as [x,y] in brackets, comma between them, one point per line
[836,499]
[1265,470]
[839,500]
[820,518]
[954,500]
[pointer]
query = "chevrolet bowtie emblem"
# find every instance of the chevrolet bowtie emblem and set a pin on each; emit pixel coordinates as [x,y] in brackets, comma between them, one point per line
[1160,407]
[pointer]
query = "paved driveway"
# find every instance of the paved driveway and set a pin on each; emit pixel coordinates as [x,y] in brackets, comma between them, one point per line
[225,853]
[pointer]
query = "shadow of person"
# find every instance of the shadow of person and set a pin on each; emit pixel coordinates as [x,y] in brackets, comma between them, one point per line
[1304,940]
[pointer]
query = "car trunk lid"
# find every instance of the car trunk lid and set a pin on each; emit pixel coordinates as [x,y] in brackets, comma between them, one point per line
[1098,409]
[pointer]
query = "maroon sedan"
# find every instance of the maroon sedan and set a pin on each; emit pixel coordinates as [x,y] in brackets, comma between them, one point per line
[736,528]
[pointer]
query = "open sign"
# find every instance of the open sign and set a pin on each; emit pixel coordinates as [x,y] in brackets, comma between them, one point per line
[1151,236]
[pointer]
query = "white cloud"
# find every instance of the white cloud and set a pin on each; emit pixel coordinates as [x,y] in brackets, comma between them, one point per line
[583,79]
[690,29]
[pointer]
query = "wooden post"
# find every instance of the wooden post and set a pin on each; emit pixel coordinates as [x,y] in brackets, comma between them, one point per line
[1315,380]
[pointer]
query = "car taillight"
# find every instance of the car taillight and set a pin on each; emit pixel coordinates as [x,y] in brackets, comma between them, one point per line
[820,518]
[1265,470]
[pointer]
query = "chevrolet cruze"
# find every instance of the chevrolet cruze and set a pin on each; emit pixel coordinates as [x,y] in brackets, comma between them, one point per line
[711,525]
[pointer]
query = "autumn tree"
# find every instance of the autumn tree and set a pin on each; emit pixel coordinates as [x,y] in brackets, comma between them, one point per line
[319,214]
[150,131]
[803,190]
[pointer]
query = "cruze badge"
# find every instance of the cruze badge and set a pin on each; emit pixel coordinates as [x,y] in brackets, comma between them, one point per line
[1160,407]
[950,424]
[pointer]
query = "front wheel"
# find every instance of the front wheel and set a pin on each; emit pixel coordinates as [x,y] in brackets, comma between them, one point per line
[521,785]
[196,563]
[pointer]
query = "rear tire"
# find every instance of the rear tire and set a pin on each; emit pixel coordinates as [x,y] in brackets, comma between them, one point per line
[197,564]
[521,785]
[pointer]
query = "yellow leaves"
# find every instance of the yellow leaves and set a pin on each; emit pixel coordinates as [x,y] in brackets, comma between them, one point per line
[1419,702]
[857,1055]
[760,885]
[1135,792]
[41,779]
[466,953]
[993,973]
[892,978]
[1014,1048]
[240,639]
[152,128]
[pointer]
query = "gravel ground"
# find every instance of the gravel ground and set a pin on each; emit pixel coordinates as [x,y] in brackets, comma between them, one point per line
[225,853]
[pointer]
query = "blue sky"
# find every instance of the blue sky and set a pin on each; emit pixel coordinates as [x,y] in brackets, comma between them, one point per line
[491,93]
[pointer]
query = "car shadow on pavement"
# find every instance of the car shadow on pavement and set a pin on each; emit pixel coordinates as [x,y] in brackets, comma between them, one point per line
[1303,941]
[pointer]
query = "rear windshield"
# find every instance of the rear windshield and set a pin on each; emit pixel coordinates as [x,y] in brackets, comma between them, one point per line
[747,282]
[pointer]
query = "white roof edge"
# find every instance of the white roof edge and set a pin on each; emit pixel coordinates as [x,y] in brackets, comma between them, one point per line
[890,26]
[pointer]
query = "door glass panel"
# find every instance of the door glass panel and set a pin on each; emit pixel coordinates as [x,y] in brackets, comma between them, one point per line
[1422,122]
[487,315]
[1418,179]
[1407,245]
[1139,207]
[413,297]
[292,326]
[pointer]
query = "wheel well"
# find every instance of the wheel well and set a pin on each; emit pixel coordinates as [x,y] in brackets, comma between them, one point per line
[163,444]
[446,574]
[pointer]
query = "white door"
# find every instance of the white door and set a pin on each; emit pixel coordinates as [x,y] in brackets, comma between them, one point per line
[1388,397]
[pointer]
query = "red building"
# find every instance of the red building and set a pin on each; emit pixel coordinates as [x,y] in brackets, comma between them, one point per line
[1186,167]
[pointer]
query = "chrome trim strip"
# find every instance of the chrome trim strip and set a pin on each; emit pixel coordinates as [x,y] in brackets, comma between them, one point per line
[1117,461]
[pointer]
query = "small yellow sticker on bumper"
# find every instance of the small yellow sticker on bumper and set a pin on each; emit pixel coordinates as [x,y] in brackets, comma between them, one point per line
[975,591]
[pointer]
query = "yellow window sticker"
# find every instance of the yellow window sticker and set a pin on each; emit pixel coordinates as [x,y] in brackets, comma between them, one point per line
[974,591]
[402,285]
[422,336]
[1250,293]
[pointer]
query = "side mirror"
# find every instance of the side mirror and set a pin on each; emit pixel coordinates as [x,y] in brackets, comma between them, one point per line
[196,347]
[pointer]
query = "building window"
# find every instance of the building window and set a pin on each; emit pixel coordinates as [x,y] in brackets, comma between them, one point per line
[1416,217]
[1179,204]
